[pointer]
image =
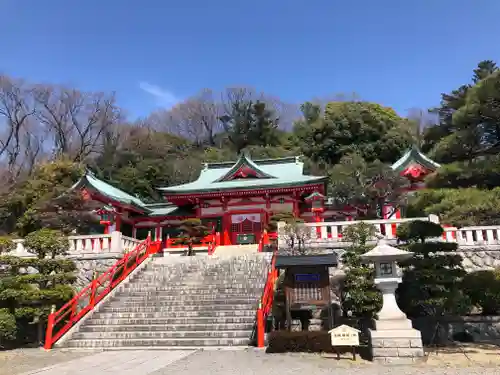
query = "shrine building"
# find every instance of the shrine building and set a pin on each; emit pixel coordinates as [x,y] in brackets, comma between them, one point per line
[236,199]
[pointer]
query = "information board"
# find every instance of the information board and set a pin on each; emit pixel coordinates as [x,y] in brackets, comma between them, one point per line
[307,278]
[344,336]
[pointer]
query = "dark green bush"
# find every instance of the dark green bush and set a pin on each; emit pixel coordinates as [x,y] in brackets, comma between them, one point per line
[303,341]
[483,290]
[8,327]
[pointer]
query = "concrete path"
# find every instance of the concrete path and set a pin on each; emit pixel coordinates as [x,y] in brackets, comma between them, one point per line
[128,362]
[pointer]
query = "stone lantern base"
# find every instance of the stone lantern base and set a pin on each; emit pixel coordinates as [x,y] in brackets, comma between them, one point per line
[395,341]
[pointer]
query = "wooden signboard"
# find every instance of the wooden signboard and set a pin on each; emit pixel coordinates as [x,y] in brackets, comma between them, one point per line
[344,335]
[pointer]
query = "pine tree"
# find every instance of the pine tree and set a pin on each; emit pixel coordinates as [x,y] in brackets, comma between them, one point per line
[432,277]
[360,297]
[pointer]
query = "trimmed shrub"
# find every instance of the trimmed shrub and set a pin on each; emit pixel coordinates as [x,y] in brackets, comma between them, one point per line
[483,289]
[302,341]
[8,327]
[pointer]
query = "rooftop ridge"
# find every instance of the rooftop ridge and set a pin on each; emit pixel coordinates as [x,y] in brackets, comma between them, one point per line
[228,164]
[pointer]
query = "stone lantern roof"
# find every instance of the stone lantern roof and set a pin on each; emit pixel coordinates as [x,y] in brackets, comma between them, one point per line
[384,252]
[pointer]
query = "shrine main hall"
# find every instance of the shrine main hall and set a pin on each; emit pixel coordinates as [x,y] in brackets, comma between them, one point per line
[236,199]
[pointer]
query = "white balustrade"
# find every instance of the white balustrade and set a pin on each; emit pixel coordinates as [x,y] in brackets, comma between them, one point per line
[332,231]
[325,233]
[88,244]
[129,243]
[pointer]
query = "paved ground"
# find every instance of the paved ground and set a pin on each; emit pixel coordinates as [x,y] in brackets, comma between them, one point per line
[248,362]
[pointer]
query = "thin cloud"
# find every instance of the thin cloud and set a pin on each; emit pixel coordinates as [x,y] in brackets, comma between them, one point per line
[163,97]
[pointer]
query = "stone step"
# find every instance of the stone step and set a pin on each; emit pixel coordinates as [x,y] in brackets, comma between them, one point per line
[198,284]
[175,314]
[171,321]
[202,289]
[172,279]
[169,308]
[166,343]
[162,335]
[164,295]
[124,301]
[164,327]
[254,276]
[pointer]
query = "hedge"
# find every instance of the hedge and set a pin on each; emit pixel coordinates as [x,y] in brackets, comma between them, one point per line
[300,341]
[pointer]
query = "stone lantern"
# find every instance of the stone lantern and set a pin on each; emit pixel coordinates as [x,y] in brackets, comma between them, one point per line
[393,339]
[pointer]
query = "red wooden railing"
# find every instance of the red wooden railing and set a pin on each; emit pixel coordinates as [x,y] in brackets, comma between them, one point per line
[60,321]
[266,302]
[215,242]
[264,240]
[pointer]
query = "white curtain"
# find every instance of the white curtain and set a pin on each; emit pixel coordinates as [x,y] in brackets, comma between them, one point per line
[236,219]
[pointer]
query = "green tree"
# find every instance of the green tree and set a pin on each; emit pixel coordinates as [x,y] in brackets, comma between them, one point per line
[371,130]
[480,173]
[146,159]
[458,207]
[22,208]
[29,296]
[432,277]
[365,185]
[483,289]
[360,297]
[467,119]
[251,123]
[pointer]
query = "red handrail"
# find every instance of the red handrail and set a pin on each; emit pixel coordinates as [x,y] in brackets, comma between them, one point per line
[264,240]
[215,242]
[266,302]
[60,321]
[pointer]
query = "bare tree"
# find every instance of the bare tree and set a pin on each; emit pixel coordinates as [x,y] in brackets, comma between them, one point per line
[16,110]
[198,118]
[76,120]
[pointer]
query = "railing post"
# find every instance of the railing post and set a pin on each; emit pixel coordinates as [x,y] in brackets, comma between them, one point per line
[50,328]
[116,242]
[260,326]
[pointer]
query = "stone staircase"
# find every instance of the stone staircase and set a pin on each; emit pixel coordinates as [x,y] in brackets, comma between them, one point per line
[179,303]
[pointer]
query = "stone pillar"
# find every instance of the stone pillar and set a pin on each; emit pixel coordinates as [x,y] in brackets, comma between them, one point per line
[116,242]
[394,340]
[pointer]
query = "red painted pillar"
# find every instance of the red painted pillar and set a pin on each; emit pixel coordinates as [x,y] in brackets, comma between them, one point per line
[118,222]
[318,220]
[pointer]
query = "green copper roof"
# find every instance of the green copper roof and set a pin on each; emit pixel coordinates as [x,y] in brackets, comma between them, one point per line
[109,191]
[117,195]
[270,173]
[163,209]
[414,155]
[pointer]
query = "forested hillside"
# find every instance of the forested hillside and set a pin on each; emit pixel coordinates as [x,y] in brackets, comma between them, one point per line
[50,134]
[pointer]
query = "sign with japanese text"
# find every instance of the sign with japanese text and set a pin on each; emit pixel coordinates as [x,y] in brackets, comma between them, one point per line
[344,336]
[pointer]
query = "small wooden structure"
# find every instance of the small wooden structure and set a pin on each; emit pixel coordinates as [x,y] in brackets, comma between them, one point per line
[307,283]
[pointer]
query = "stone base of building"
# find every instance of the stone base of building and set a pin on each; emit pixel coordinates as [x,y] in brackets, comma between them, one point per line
[396,342]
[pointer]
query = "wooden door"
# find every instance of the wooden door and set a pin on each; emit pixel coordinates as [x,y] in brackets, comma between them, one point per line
[249,224]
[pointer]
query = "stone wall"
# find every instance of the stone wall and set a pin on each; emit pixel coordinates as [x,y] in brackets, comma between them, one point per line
[88,264]
[482,329]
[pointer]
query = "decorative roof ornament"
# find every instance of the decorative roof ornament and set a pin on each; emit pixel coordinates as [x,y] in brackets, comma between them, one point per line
[314,196]
[415,165]
[244,168]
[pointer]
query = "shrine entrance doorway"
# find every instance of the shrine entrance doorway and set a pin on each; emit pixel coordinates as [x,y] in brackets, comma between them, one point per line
[246,228]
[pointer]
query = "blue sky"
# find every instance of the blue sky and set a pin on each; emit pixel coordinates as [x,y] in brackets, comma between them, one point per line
[152,53]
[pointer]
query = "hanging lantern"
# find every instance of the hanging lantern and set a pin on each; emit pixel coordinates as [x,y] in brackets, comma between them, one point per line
[107,215]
